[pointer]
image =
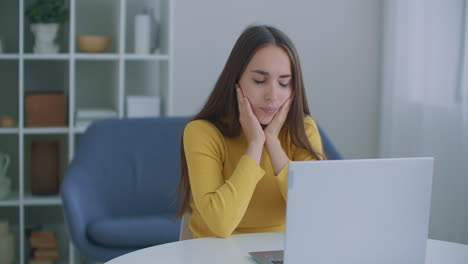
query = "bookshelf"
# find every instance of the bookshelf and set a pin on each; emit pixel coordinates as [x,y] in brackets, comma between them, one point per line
[98,80]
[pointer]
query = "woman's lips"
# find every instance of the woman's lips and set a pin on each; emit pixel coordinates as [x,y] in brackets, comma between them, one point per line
[269,110]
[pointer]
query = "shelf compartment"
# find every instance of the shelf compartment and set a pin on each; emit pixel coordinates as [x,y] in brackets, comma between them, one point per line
[96,85]
[49,158]
[9,26]
[47,218]
[9,90]
[143,78]
[11,215]
[38,80]
[38,76]
[63,34]
[90,11]
[160,13]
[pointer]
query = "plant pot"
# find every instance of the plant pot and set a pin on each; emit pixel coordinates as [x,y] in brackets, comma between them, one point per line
[44,35]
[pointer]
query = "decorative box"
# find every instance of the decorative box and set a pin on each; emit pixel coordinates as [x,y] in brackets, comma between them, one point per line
[142,106]
[45,109]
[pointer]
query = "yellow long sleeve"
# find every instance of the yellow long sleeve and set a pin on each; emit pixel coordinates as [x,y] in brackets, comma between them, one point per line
[301,154]
[231,193]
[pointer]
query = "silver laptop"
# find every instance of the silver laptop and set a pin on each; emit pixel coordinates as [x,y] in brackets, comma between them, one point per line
[356,211]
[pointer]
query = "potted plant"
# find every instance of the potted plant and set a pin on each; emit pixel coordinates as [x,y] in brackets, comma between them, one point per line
[45,17]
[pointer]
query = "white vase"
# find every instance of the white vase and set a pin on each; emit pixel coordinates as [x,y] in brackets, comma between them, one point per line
[142,34]
[146,32]
[44,35]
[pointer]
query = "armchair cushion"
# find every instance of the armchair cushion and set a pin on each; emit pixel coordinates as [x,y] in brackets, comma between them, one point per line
[134,231]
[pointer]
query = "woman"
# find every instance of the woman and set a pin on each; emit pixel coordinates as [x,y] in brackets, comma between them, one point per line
[235,152]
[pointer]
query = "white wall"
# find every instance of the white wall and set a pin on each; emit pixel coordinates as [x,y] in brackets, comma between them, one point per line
[338,42]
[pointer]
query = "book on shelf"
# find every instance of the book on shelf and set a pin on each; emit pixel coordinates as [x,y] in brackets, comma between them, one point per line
[46,254]
[95,113]
[35,242]
[46,235]
[44,246]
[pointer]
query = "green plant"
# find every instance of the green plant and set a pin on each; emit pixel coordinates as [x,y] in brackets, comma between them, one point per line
[47,11]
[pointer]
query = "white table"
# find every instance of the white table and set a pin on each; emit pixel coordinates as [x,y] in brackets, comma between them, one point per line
[235,250]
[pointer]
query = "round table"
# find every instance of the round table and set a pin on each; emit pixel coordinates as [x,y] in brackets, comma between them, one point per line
[236,250]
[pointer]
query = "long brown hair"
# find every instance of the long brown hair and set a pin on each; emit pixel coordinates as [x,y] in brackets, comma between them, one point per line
[221,107]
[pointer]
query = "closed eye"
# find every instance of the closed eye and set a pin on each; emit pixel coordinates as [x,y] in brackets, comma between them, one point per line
[284,81]
[259,81]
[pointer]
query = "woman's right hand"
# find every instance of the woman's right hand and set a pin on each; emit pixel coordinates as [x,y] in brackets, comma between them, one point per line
[251,126]
[249,122]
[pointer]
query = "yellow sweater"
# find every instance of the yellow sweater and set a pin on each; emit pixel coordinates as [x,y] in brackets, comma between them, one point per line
[231,193]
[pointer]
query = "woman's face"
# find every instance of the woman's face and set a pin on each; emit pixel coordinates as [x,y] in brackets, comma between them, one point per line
[266,82]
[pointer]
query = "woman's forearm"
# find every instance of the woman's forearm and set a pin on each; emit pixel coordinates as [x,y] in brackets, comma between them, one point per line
[278,157]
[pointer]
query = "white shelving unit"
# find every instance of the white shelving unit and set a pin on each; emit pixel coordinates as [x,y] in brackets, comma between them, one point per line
[87,80]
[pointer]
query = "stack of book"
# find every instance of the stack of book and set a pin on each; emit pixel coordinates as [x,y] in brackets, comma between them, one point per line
[86,116]
[43,247]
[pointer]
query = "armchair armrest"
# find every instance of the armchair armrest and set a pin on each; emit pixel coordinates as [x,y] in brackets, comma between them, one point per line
[81,207]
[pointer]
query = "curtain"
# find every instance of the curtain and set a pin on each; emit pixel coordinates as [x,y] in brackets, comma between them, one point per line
[425,101]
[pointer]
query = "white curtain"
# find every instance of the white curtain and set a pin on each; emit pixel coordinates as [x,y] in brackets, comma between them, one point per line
[425,101]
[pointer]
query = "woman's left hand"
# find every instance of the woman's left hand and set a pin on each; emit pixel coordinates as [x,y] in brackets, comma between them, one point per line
[273,129]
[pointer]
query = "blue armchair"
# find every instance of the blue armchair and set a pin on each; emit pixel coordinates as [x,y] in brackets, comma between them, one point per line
[330,150]
[118,192]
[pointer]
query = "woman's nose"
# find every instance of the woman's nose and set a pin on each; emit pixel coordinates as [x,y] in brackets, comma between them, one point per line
[271,92]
